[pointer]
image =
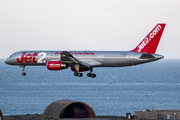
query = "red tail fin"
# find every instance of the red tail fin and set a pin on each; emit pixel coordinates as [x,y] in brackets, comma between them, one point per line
[150,42]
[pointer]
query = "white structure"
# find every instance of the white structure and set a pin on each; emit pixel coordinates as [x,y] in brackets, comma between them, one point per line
[158,114]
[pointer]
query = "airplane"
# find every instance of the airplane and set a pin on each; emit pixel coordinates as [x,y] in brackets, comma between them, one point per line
[81,61]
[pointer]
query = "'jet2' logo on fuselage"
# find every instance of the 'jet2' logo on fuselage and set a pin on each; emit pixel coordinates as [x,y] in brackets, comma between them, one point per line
[31,58]
[147,40]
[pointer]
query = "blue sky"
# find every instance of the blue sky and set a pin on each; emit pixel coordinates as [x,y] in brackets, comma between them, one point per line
[117,25]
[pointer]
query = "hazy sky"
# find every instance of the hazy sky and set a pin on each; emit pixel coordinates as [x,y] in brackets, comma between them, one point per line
[117,25]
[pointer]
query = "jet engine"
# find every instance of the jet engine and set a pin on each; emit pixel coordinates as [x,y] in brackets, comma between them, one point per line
[56,65]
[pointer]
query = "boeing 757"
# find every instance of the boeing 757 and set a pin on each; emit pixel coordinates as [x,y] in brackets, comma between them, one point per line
[81,61]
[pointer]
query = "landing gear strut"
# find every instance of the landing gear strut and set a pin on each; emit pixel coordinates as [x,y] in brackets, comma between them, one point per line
[76,66]
[91,74]
[23,70]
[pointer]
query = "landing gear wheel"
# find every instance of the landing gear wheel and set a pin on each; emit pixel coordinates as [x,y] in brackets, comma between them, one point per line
[75,74]
[93,75]
[23,74]
[80,74]
[89,74]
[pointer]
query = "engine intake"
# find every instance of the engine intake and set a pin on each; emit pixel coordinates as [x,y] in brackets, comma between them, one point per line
[56,65]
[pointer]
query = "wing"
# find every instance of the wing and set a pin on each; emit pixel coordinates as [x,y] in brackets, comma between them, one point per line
[67,57]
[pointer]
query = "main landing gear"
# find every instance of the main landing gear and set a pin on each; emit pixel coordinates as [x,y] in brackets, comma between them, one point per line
[89,74]
[23,70]
[78,74]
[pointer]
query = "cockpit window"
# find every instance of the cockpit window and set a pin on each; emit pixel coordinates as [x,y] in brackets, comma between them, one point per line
[10,56]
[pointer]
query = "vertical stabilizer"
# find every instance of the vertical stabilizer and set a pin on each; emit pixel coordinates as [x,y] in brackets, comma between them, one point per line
[150,42]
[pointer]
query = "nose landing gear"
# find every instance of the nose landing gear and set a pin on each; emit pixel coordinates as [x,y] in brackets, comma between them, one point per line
[23,70]
[23,74]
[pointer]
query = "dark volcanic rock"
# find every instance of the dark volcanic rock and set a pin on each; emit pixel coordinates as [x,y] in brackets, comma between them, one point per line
[24,117]
[1,115]
[41,117]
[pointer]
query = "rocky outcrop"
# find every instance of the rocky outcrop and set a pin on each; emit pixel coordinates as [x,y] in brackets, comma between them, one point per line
[1,115]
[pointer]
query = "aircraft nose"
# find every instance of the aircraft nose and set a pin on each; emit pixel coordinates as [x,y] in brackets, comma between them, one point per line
[7,61]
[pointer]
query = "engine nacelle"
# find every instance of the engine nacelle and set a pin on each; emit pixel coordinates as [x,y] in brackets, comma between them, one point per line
[81,69]
[56,65]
